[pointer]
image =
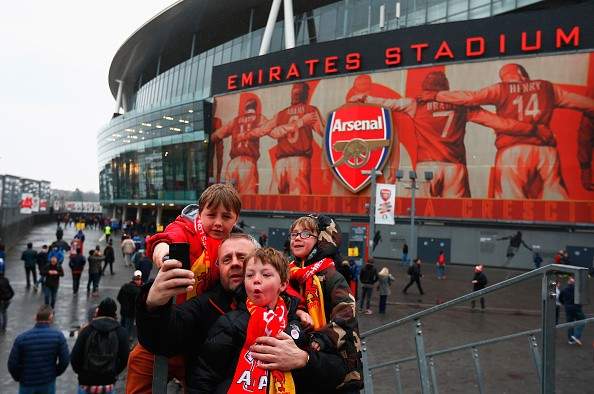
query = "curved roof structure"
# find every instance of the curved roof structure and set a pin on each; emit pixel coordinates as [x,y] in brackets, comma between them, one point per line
[171,31]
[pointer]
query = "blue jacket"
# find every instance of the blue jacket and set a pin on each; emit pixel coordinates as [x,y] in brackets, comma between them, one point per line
[38,356]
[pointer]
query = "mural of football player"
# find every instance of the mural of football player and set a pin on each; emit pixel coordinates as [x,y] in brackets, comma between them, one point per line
[216,150]
[242,169]
[585,147]
[440,129]
[526,166]
[293,128]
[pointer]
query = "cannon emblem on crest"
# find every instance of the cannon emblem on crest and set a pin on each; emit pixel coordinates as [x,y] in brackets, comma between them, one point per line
[356,152]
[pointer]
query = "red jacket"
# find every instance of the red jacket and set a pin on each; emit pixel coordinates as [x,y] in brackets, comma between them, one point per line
[184,229]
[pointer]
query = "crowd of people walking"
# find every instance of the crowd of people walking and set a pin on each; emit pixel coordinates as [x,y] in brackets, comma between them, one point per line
[245,317]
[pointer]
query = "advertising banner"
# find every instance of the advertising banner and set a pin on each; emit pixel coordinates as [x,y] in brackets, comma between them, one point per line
[503,139]
[57,205]
[82,206]
[26,203]
[42,205]
[385,202]
[35,206]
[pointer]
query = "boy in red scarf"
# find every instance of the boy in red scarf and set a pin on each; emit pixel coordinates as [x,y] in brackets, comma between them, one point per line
[203,227]
[268,311]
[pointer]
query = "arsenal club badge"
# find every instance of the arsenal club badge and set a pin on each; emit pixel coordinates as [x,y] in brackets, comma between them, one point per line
[358,138]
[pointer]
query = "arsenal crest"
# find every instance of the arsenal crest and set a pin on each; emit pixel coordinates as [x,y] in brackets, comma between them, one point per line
[358,138]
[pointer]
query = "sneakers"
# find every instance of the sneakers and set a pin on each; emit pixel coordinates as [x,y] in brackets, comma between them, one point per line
[571,342]
[368,312]
[576,340]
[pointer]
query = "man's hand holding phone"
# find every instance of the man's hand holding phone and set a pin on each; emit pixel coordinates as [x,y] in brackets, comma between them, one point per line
[170,281]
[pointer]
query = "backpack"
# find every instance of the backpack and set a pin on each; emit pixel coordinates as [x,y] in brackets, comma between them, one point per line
[101,350]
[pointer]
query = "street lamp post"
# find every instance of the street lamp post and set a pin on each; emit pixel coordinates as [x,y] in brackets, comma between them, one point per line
[412,176]
[373,174]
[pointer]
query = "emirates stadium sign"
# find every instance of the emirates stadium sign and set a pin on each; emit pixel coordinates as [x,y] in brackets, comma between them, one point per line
[358,140]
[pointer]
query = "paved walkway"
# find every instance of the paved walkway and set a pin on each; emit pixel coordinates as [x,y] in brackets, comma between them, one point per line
[508,367]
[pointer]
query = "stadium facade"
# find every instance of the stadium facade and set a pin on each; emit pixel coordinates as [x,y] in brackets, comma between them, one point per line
[193,79]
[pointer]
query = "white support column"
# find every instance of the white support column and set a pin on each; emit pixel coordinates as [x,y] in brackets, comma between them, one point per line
[138,214]
[289,24]
[124,209]
[119,96]
[267,37]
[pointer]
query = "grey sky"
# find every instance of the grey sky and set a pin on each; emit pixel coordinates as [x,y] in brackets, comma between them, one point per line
[54,96]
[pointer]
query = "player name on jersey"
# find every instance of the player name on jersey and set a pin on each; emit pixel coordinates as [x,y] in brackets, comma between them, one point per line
[357,125]
[524,87]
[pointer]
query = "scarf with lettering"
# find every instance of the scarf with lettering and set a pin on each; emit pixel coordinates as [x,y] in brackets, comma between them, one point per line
[249,377]
[310,285]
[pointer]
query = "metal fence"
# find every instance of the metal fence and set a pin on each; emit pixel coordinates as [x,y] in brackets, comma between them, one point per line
[543,356]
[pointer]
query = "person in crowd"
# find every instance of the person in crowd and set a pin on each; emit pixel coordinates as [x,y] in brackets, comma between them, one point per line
[95,262]
[109,255]
[6,294]
[39,355]
[59,232]
[405,254]
[128,248]
[414,271]
[368,278]
[138,242]
[42,260]
[29,257]
[204,227]
[2,254]
[314,244]
[557,302]
[52,273]
[107,233]
[385,279]
[80,235]
[101,351]
[145,265]
[441,265]
[537,260]
[346,272]
[127,299]
[263,239]
[77,265]
[59,246]
[573,312]
[479,282]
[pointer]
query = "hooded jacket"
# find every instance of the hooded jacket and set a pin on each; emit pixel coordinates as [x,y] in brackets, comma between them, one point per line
[77,357]
[183,229]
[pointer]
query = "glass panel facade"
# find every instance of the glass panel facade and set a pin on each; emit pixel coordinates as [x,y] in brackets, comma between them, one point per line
[157,149]
[342,19]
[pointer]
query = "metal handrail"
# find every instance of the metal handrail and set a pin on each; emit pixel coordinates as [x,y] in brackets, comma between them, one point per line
[580,294]
[484,342]
[544,361]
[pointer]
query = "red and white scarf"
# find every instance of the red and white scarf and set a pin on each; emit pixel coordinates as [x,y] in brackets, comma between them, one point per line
[249,377]
[311,289]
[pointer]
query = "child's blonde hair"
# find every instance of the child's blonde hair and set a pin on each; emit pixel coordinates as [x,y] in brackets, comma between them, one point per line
[220,194]
[274,258]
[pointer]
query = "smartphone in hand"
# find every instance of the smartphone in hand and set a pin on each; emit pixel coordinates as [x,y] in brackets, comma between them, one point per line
[180,251]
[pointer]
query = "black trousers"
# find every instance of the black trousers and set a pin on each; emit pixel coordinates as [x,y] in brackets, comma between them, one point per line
[32,270]
[414,280]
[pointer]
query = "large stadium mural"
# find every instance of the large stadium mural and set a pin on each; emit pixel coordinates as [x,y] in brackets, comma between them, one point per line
[504,139]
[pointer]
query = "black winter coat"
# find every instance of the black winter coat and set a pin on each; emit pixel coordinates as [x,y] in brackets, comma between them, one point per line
[78,356]
[6,291]
[127,298]
[481,281]
[214,369]
[181,329]
[53,280]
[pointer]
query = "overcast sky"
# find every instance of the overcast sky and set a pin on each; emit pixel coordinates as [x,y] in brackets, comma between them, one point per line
[54,95]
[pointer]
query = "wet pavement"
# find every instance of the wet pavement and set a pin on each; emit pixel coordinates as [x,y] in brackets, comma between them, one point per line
[507,367]
[70,311]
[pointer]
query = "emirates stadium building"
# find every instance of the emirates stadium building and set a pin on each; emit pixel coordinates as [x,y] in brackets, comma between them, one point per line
[472,119]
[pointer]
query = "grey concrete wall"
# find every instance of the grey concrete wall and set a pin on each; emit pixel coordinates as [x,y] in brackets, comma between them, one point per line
[469,244]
